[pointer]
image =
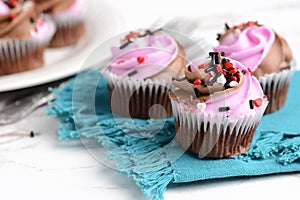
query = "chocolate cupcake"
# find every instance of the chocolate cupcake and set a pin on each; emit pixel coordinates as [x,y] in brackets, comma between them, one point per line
[140,72]
[266,53]
[24,35]
[68,16]
[217,107]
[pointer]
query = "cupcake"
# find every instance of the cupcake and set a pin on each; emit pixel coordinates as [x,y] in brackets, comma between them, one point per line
[140,71]
[217,107]
[69,18]
[267,54]
[24,35]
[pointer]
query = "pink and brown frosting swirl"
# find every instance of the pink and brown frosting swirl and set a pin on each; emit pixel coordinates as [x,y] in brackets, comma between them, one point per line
[256,46]
[18,20]
[219,84]
[147,54]
[54,6]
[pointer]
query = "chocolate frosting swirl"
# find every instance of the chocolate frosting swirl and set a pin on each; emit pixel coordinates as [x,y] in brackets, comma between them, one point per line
[206,80]
[54,6]
[20,21]
[278,58]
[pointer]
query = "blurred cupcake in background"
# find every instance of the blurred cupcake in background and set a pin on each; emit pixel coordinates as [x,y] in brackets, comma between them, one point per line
[69,18]
[24,35]
[217,107]
[140,71]
[265,53]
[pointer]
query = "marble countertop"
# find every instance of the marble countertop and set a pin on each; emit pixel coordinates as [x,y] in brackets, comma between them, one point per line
[41,167]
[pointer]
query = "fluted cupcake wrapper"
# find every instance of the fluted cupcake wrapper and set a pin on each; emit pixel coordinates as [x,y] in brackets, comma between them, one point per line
[214,135]
[139,98]
[275,86]
[22,55]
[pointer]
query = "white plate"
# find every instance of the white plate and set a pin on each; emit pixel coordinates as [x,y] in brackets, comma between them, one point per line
[103,22]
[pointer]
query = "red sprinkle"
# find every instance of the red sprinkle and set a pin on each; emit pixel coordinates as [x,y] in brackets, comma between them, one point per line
[120,62]
[140,59]
[197,82]
[219,69]
[265,97]
[239,26]
[257,102]
[233,78]
[131,35]
[202,66]
[228,65]
[233,71]
[249,70]
[12,2]
[250,23]
[13,16]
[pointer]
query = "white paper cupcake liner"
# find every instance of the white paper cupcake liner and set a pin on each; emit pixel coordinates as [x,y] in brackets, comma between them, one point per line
[136,98]
[14,49]
[214,135]
[275,86]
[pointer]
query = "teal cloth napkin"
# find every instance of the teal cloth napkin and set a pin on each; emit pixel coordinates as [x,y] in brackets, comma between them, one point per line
[152,157]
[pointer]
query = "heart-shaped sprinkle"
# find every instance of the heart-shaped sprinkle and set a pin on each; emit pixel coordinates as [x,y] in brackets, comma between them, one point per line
[13,16]
[221,79]
[228,65]
[233,78]
[197,82]
[140,59]
[257,102]
[233,84]
[201,106]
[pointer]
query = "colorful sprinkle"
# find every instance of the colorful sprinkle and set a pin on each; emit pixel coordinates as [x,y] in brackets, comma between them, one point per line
[251,104]
[226,26]
[221,79]
[197,82]
[257,102]
[13,16]
[12,2]
[132,73]
[224,109]
[233,78]
[228,65]
[140,59]
[201,106]
[233,84]
[250,23]
[233,71]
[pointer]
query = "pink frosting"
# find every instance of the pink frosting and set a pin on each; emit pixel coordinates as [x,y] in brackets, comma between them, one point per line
[146,56]
[250,46]
[237,100]
[77,10]
[4,9]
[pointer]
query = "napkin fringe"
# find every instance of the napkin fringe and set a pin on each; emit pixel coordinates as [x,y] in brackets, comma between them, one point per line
[285,147]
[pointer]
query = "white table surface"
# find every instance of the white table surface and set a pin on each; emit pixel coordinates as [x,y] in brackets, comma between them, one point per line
[45,168]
